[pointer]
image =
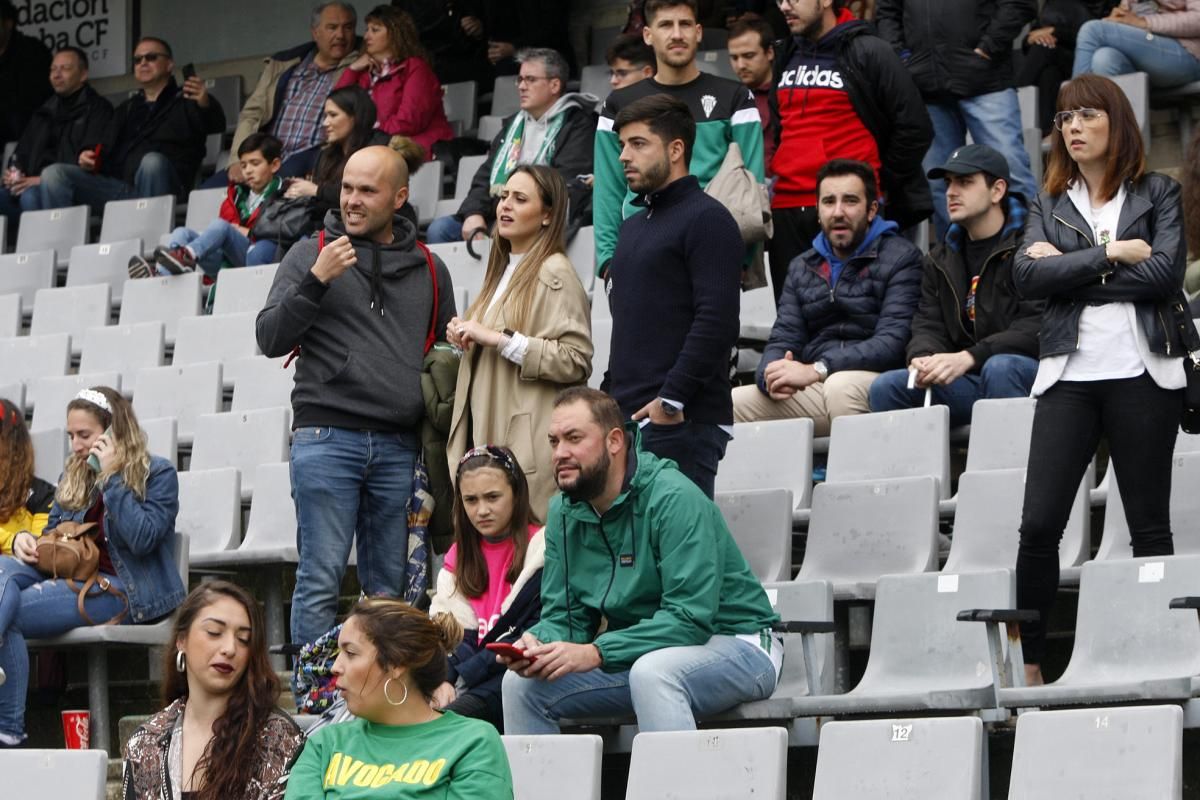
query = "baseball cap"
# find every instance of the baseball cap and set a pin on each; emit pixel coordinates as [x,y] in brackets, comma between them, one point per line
[972,158]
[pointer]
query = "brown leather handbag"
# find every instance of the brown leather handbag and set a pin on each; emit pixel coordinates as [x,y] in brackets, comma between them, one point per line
[70,552]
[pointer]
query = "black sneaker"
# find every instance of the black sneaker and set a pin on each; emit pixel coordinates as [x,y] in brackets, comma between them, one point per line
[140,268]
[175,260]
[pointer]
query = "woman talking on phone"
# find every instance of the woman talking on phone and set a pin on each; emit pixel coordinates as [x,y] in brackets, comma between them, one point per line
[109,479]
[1104,247]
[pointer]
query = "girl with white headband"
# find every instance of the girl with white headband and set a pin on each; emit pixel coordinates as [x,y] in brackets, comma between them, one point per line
[133,498]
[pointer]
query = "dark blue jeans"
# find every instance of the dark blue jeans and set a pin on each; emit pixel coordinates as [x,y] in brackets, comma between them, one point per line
[697,447]
[68,184]
[348,486]
[1004,375]
[1140,422]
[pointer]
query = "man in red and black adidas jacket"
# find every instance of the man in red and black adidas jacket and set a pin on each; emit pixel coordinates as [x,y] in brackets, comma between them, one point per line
[841,92]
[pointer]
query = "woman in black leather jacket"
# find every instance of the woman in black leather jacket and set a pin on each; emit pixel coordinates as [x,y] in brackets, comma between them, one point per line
[1104,247]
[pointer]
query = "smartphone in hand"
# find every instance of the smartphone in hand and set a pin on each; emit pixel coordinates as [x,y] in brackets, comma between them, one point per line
[510,651]
[189,70]
[94,462]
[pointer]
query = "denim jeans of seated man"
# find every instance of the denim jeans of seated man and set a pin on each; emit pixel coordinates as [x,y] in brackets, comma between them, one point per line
[69,184]
[1005,375]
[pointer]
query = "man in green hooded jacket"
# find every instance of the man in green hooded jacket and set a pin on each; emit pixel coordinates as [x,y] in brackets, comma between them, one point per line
[648,606]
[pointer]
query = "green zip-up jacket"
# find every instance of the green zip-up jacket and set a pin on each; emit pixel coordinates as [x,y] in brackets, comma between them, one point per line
[660,566]
[724,111]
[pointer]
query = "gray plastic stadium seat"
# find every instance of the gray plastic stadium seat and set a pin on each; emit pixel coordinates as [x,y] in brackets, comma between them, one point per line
[185,392]
[242,439]
[227,89]
[581,252]
[891,444]
[55,774]
[210,509]
[1000,433]
[489,127]
[10,315]
[761,523]
[162,437]
[593,79]
[1136,86]
[505,99]
[922,658]
[48,396]
[769,455]
[25,273]
[862,530]
[203,207]
[243,289]
[163,299]
[465,272]
[1099,754]
[931,759]
[261,382]
[71,310]
[425,190]
[601,347]
[99,639]
[14,393]
[127,349]
[4,225]
[758,313]
[26,358]
[713,764]
[57,229]
[715,62]
[1185,512]
[804,653]
[211,338]
[543,766]
[458,101]
[103,263]
[1129,645]
[988,517]
[49,452]
[467,166]
[145,218]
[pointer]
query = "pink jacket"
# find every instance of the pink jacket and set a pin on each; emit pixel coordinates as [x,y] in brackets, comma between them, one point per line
[1178,19]
[408,102]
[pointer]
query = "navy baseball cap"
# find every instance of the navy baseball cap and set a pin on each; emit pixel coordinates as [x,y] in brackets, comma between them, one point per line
[972,158]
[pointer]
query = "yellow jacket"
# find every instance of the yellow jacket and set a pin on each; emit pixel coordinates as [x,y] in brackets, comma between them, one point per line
[31,518]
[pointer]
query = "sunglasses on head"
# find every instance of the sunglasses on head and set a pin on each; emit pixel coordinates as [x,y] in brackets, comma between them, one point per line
[150,57]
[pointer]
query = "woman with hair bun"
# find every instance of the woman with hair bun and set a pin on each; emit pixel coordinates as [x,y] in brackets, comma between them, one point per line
[392,657]
[110,479]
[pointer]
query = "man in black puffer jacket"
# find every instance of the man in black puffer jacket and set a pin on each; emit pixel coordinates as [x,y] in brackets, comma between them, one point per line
[960,55]
[846,311]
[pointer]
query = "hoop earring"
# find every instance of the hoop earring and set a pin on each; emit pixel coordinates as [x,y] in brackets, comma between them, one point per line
[387,697]
[180,661]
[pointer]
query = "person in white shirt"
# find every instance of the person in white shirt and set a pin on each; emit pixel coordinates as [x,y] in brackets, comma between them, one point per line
[1104,247]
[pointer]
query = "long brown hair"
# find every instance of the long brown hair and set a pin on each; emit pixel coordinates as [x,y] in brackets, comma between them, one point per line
[75,489]
[230,756]
[16,460]
[406,637]
[1126,150]
[402,32]
[470,570]
[518,297]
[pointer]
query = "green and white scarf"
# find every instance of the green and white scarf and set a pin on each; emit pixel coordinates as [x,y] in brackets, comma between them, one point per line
[509,155]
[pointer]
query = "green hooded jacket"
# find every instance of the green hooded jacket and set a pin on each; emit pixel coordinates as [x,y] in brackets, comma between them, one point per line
[660,566]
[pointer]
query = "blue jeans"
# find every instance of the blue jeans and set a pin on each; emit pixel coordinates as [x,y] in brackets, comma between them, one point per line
[219,242]
[667,689]
[444,229]
[697,447]
[11,207]
[1005,375]
[993,119]
[68,184]
[348,485]
[1112,48]
[36,607]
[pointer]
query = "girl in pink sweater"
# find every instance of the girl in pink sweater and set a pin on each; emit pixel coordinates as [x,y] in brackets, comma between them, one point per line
[395,69]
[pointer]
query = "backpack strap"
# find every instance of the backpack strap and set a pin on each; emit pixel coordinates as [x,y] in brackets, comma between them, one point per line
[292,356]
[432,335]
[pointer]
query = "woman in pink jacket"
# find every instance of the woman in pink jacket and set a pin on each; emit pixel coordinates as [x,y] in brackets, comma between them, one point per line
[1158,37]
[396,71]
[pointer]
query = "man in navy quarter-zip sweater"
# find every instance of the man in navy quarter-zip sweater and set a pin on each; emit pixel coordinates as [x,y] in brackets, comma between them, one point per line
[846,310]
[673,287]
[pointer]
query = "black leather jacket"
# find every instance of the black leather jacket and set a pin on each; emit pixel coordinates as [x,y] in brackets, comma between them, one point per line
[1083,276]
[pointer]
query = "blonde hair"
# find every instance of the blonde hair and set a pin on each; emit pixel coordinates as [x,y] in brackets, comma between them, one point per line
[76,489]
[518,298]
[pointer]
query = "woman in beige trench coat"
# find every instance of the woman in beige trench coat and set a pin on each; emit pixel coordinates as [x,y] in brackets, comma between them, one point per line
[525,337]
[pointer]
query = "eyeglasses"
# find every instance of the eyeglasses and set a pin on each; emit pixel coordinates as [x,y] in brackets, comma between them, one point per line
[150,57]
[1088,116]
[620,74]
[530,79]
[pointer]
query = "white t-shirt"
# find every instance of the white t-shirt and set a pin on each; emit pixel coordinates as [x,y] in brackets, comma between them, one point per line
[1112,345]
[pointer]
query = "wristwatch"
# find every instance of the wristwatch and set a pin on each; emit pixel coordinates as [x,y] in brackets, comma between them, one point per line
[822,370]
[667,408]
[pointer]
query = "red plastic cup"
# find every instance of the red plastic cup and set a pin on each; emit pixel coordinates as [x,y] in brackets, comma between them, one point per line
[76,729]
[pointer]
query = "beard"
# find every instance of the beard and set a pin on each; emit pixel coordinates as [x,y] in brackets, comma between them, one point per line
[590,483]
[651,179]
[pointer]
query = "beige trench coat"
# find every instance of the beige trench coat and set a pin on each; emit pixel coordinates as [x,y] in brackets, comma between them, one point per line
[499,402]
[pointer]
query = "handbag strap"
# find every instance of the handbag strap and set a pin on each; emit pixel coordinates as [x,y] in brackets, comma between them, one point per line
[1188,334]
[106,586]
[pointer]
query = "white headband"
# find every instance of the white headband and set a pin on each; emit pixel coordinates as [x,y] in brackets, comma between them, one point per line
[95,398]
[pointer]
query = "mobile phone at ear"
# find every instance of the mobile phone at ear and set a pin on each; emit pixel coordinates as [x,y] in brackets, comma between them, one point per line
[94,462]
[189,70]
